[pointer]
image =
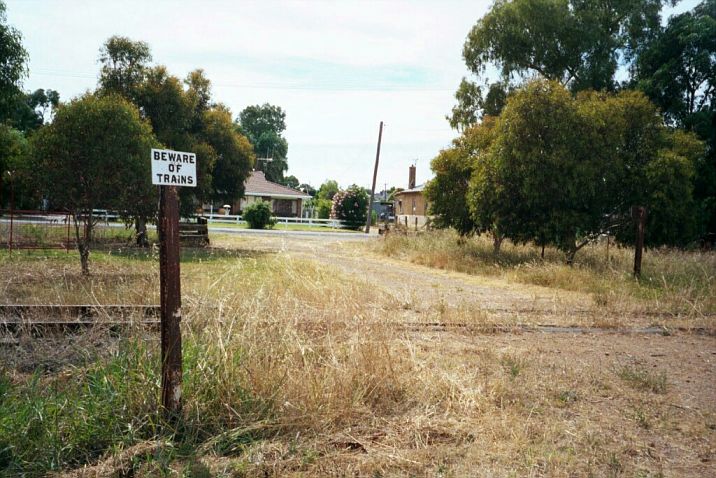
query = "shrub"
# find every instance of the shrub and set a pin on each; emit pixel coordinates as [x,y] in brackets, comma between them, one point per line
[350,207]
[259,215]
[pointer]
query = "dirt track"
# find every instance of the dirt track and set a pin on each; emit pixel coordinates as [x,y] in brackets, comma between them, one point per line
[423,289]
[584,354]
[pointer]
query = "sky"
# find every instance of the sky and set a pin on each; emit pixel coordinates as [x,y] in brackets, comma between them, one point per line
[337,68]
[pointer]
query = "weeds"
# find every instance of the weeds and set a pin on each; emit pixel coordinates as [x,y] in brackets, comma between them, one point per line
[643,379]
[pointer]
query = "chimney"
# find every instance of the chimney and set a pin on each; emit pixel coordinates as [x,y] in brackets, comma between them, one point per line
[411,177]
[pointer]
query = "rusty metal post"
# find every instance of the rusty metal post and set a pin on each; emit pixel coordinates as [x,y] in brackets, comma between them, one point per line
[170,298]
[638,213]
[369,219]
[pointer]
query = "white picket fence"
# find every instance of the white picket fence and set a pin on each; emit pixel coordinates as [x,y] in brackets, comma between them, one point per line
[305,221]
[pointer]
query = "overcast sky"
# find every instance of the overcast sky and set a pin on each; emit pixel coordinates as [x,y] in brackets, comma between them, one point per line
[336,68]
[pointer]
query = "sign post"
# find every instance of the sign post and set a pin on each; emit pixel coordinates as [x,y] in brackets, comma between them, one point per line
[171,169]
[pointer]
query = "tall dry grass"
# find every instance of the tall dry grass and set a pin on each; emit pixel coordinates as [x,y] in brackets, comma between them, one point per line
[672,281]
[292,369]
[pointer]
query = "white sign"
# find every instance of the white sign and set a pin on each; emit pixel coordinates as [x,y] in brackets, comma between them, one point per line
[173,168]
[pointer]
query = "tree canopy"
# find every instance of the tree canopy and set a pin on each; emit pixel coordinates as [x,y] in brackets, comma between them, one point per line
[81,167]
[264,126]
[560,169]
[576,43]
[13,65]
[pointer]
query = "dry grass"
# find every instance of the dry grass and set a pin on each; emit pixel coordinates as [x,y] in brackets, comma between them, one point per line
[288,373]
[673,282]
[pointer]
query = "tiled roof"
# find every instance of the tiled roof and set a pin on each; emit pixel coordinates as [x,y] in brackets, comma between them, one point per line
[257,185]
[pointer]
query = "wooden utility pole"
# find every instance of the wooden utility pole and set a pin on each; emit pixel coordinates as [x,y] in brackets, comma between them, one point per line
[170,299]
[638,213]
[375,176]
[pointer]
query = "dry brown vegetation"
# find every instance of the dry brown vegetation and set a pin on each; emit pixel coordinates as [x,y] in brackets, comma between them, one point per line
[296,369]
[676,283]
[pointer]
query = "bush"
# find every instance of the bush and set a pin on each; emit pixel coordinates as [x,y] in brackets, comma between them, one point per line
[351,207]
[259,215]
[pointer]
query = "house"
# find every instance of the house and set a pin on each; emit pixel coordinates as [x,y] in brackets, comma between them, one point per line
[285,201]
[411,204]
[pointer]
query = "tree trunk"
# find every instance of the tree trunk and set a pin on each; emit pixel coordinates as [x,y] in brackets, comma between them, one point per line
[140,226]
[571,252]
[542,254]
[83,242]
[84,257]
[496,243]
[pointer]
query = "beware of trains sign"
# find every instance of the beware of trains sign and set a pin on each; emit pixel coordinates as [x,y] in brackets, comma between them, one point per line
[173,168]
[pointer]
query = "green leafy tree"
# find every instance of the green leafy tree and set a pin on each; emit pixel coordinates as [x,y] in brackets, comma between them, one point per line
[81,167]
[472,105]
[328,189]
[264,126]
[14,169]
[13,65]
[453,168]
[323,208]
[124,66]
[350,206]
[563,169]
[576,43]
[235,156]
[291,181]
[677,71]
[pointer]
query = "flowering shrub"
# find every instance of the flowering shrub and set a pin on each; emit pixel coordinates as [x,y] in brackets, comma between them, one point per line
[350,206]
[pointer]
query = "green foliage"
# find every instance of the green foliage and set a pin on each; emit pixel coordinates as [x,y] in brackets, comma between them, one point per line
[453,168]
[80,167]
[259,215]
[234,154]
[183,118]
[32,110]
[124,66]
[72,419]
[291,181]
[644,379]
[677,70]
[14,169]
[558,169]
[13,65]
[575,43]
[351,206]
[264,126]
[328,190]
[323,208]
[472,106]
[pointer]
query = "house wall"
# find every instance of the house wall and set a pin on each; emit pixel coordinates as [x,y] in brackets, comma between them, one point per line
[411,206]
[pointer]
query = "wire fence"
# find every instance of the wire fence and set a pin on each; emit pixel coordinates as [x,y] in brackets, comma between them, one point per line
[36,229]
